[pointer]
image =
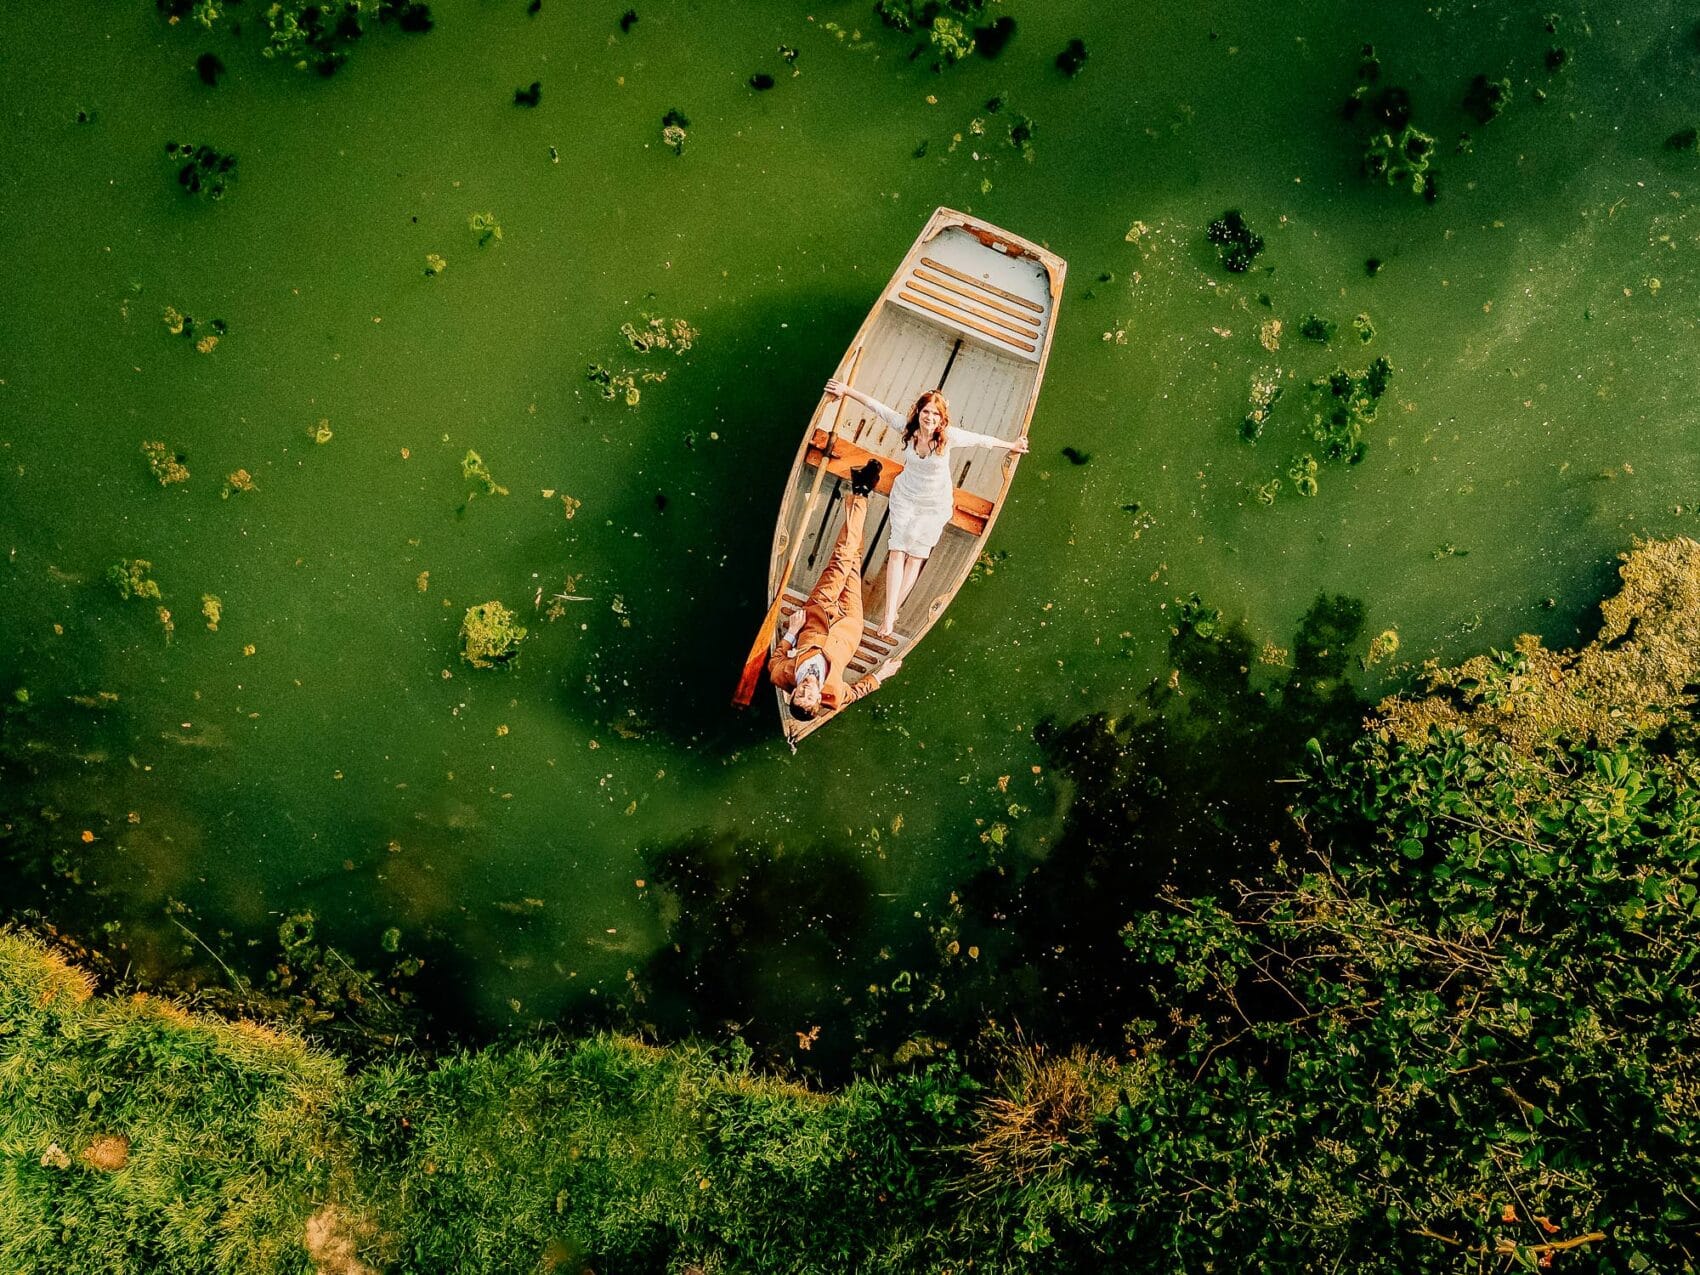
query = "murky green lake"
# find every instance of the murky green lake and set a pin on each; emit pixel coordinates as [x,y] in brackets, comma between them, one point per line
[326,748]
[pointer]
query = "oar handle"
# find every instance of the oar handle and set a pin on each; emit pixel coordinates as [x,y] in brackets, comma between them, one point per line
[757,657]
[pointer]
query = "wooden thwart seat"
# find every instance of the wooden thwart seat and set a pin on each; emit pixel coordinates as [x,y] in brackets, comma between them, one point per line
[870,651]
[970,512]
[1025,318]
[968,304]
[1034,306]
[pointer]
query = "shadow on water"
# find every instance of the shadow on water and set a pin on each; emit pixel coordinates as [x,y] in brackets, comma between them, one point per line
[772,943]
[700,522]
[787,946]
[1188,791]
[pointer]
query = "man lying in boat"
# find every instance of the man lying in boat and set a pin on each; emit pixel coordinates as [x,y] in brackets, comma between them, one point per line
[821,637]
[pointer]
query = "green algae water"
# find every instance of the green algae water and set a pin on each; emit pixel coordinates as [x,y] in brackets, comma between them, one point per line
[326,749]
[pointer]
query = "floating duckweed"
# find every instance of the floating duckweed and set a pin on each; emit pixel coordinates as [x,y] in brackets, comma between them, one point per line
[1402,160]
[241,480]
[1302,471]
[987,564]
[1486,98]
[435,264]
[950,39]
[1266,492]
[212,607]
[391,940]
[570,504]
[176,320]
[659,334]
[489,637]
[422,581]
[618,385]
[1364,328]
[485,226]
[321,433]
[1236,241]
[1316,328]
[203,170]
[167,466]
[472,466]
[1384,646]
[1265,390]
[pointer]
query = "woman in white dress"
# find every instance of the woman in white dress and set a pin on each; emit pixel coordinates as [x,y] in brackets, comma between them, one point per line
[923,495]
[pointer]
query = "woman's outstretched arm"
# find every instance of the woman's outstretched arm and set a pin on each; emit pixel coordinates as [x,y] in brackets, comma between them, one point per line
[835,388]
[959,437]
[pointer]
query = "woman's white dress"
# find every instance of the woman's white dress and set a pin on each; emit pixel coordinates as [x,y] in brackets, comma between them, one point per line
[923,495]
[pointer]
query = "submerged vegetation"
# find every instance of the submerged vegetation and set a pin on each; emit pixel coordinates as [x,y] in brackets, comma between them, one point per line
[1341,407]
[1239,245]
[485,226]
[201,170]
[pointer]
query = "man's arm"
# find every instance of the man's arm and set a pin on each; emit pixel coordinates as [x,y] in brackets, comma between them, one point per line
[793,626]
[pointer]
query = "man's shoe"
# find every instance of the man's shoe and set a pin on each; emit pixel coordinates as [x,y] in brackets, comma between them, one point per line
[865,479]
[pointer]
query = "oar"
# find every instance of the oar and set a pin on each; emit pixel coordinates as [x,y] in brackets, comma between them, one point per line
[764,636]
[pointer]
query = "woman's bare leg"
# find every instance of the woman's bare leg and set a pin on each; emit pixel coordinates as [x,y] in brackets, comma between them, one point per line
[911,573]
[894,591]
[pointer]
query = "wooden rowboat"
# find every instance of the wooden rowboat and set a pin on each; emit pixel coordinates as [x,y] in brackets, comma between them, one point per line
[970,311]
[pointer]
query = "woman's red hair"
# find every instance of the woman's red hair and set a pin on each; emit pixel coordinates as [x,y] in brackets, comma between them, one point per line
[913,427]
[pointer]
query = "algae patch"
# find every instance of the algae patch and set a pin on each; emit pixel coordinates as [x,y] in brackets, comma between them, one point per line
[130,576]
[473,468]
[167,465]
[489,635]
